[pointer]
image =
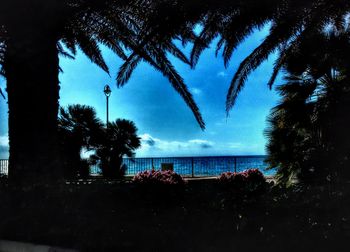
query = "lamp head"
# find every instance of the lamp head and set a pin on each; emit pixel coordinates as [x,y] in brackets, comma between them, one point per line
[107,90]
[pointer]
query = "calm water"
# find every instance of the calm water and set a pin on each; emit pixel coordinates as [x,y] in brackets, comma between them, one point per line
[186,166]
[200,166]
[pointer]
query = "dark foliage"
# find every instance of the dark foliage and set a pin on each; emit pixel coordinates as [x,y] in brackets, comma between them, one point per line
[159,187]
[79,129]
[308,139]
[153,177]
[119,139]
[105,217]
[248,181]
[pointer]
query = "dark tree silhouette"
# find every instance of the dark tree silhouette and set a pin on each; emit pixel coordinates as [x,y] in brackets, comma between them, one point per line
[308,137]
[120,139]
[34,33]
[290,132]
[79,128]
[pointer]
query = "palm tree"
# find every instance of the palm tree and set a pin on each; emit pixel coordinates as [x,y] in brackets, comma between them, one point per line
[78,128]
[290,131]
[34,33]
[120,140]
[307,134]
[291,22]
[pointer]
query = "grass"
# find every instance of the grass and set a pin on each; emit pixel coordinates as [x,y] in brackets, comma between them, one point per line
[118,217]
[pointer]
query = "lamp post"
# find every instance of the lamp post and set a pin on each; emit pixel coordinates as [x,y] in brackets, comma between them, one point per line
[107,90]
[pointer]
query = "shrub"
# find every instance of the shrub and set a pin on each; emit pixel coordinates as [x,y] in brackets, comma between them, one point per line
[152,177]
[250,180]
[255,180]
[161,187]
[236,180]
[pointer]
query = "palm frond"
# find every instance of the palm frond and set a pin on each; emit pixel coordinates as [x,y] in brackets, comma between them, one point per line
[174,50]
[277,35]
[63,53]
[126,69]
[90,47]
[278,65]
[209,32]
[239,27]
[162,64]
[2,94]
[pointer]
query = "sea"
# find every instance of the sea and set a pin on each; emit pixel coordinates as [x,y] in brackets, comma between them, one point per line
[186,166]
[199,166]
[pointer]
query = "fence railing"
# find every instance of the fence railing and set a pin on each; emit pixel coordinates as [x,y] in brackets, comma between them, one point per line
[4,164]
[186,166]
[193,166]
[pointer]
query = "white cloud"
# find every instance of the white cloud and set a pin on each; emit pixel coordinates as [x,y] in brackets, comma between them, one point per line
[152,146]
[196,91]
[222,74]
[155,147]
[199,141]
[234,145]
[202,143]
[4,140]
[4,147]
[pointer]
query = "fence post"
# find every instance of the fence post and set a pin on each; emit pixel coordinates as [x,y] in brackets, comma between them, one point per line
[152,164]
[235,164]
[192,167]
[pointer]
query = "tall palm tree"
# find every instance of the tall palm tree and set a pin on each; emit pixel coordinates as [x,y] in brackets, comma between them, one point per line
[34,33]
[308,136]
[291,22]
[78,129]
[290,128]
[120,140]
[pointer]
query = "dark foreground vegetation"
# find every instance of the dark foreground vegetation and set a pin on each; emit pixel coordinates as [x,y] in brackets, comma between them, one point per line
[308,133]
[203,217]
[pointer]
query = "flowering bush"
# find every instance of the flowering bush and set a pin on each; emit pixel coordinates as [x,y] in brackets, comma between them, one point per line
[159,186]
[237,180]
[248,180]
[255,176]
[153,177]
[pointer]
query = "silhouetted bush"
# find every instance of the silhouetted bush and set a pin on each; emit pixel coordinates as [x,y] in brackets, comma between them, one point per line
[118,140]
[153,177]
[247,181]
[84,169]
[159,186]
[235,180]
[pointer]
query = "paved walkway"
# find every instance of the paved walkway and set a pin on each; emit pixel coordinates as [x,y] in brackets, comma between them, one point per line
[14,246]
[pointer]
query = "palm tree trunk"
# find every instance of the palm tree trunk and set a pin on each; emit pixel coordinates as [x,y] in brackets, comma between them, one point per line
[31,69]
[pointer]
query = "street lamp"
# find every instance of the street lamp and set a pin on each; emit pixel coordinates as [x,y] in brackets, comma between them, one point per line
[107,90]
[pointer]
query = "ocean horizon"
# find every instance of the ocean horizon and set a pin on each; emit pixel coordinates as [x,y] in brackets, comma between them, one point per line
[197,165]
[187,166]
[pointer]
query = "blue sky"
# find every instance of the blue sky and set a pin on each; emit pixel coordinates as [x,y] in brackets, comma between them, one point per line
[165,124]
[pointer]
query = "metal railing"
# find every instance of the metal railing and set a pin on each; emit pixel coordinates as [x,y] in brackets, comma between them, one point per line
[186,166]
[196,166]
[4,164]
